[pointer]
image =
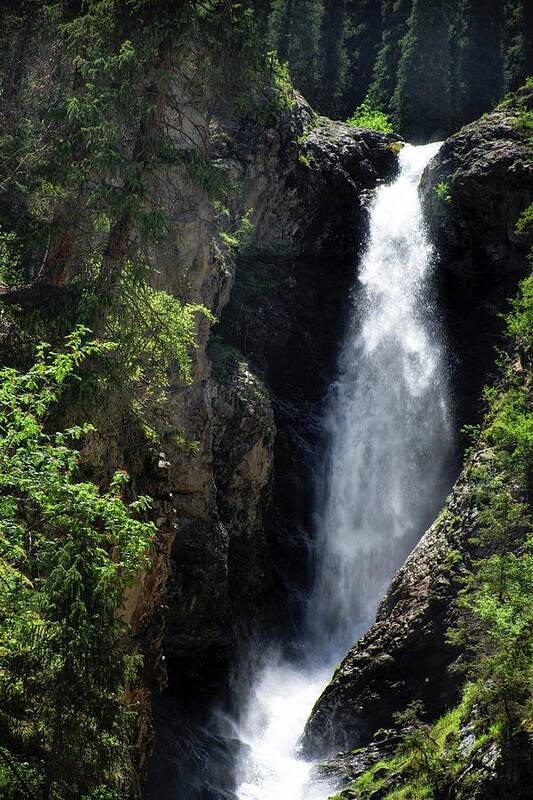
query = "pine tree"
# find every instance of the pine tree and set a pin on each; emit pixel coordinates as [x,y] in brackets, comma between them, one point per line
[304,51]
[432,66]
[479,69]
[458,46]
[334,57]
[67,552]
[262,10]
[362,35]
[395,15]
[518,42]
[528,39]
[278,28]
[422,97]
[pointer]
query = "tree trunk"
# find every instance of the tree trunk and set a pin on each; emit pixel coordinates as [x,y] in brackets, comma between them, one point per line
[117,249]
[13,78]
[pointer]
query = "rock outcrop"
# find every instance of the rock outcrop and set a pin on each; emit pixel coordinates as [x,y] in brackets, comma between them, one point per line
[473,192]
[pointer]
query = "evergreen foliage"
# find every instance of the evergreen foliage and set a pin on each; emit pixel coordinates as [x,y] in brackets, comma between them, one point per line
[362,31]
[432,66]
[80,150]
[295,32]
[77,162]
[90,122]
[334,72]
[422,96]
[68,550]
[395,17]
[518,53]
[479,52]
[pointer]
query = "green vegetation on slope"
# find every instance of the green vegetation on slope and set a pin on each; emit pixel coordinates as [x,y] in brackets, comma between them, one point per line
[68,550]
[95,134]
[82,141]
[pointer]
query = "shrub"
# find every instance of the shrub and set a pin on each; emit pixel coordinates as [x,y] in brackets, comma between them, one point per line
[366,116]
[442,191]
[68,550]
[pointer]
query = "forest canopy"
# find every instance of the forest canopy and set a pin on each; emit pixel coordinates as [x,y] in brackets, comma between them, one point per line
[433,65]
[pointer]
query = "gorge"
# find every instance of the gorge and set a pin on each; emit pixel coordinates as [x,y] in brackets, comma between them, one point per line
[265,400]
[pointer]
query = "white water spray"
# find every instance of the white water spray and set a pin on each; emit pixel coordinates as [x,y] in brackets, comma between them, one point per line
[384,477]
[388,420]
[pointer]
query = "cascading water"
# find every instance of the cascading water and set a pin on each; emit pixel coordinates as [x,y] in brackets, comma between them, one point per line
[388,420]
[384,478]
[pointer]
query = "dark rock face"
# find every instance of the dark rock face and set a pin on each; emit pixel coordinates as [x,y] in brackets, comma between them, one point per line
[219,561]
[242,494]
[474,191]
[488,172]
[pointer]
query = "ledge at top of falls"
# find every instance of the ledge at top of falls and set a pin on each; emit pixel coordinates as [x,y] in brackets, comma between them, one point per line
[303,177]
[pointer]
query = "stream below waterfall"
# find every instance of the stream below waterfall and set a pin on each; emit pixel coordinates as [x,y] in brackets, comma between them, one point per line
[382,481]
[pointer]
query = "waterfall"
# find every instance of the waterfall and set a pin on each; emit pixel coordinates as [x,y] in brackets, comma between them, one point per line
[383,479]
[387,420]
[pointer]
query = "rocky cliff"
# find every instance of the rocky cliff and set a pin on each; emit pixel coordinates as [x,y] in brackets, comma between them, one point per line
[301,216]
[473,193]
[240,494]
[474,190]
[259,209]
